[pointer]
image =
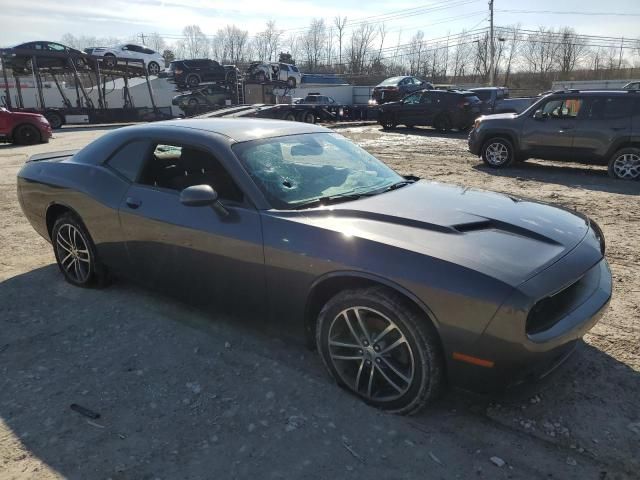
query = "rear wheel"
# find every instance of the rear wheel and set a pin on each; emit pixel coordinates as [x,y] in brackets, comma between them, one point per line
[153,68]
[442,123]
[110,60]
[625,164]
[497,152]
[193,102]
[75,253]
[193,80]
[380,349]
[54,119]
[26,135]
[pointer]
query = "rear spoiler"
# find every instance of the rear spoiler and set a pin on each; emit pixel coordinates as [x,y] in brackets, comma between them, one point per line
[52,155]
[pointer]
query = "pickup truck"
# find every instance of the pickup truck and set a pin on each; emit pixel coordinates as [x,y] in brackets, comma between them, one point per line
[496,100]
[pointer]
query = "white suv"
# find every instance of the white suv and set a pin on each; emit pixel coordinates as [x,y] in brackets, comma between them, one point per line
[275,72]
[152,59]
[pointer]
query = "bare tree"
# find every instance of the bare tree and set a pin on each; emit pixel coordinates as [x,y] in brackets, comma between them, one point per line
[195,43]
[540,52]
[571,51]
[511,39]
[155,42]
[362,41]
[313,43]
[415,54]
[340,23]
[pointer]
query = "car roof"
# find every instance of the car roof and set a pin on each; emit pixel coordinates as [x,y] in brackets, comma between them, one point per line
[594,92]
[242,129]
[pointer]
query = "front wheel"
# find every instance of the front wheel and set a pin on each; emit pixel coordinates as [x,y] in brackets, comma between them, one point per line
[26,135]
[388,122]
[110,60]
[75,252]
[625,164]
[193,80]
[497,152]
[153,68]
[381,349]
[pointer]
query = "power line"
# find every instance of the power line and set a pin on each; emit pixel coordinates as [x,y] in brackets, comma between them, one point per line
[556,12]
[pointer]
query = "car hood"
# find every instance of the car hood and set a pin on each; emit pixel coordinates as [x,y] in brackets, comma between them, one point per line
[510,239]
[498,116]
[27,115]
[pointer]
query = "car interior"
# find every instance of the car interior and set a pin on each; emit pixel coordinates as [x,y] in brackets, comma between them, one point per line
[178,167]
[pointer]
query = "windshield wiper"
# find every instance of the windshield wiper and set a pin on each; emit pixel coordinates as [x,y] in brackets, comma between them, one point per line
[329,200]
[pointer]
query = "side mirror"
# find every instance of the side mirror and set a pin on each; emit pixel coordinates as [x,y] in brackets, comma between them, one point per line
[538,115]
[202,196]
[198,196]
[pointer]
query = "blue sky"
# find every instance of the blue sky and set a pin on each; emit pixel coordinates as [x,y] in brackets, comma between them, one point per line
[24,20]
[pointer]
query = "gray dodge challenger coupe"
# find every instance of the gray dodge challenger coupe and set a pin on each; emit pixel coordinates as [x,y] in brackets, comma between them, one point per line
[403,285]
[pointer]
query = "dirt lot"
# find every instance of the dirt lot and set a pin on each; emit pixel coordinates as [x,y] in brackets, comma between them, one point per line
[185,393]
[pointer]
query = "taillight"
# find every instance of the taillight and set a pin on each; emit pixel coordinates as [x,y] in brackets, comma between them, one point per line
[393,89]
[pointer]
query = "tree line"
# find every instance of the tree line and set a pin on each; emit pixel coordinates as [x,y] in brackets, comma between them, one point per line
[365,52]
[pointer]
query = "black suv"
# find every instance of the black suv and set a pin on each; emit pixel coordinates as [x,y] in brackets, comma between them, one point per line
[441,109]
[590,126]
[190,73]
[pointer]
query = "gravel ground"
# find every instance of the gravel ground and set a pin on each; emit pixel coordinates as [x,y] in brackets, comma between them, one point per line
[187,393]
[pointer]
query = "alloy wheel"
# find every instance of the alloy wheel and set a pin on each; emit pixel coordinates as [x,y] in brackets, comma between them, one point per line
[371,354]
[497,154]
[627,166]
[73,253]
[153,68]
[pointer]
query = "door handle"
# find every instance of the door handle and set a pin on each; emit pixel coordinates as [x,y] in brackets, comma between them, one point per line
[133,202]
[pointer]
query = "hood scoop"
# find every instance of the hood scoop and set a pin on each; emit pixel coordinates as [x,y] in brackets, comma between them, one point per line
[497,225]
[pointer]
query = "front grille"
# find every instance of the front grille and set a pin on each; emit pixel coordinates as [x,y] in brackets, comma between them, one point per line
[550,310]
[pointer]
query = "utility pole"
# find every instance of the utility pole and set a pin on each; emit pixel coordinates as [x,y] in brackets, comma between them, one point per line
[141,35]
[492,46]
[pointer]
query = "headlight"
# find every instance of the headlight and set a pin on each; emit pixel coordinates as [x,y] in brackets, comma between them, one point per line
[476,124]
[373,102]
[43,120]
[599,236]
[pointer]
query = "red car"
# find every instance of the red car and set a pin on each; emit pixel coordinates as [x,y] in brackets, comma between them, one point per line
[23,128]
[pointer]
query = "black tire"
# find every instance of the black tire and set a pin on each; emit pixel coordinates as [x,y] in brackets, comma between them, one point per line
[291,82]
[231,77]
[110,60]
[498,152]
[388,122]
[625,164]
[55,119]
[78,262]
[26,135]
[80,63]
[308,117]
[289,116]
[153,68]
[419,344]
[442,123]
[193,80]
[193,102]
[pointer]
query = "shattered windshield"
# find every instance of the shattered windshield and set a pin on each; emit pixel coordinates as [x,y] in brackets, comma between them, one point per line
[295,170]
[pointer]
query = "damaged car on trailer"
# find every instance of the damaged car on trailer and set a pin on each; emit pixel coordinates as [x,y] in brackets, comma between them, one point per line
[403,285]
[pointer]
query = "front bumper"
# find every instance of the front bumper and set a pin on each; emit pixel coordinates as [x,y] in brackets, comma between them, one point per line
[473,142]
[518,356]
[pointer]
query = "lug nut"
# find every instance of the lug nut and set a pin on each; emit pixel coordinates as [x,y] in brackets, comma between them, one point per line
[378,360]
[365,343]
[376,348]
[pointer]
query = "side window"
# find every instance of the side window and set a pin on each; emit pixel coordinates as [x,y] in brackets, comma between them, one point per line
[412,99]
[176,167]
[427,98]
[609,108]
[129,159]
[148,51]
[284,67]
[55,47]
[562,108]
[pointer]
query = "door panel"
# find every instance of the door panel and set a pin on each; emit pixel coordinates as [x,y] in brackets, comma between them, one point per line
[551,137]
[606,120]
[192,251]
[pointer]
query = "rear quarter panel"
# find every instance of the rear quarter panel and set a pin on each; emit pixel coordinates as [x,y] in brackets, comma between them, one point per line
[92,192]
